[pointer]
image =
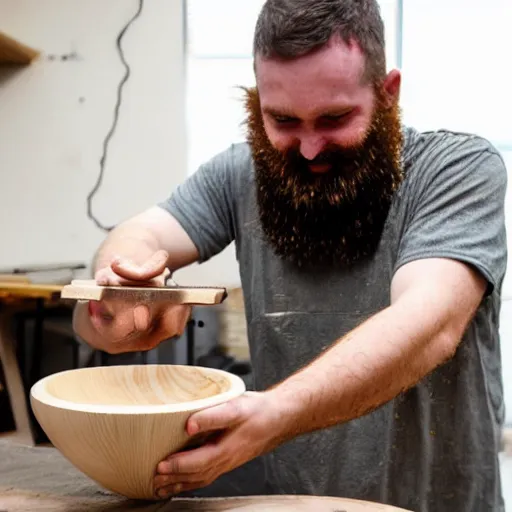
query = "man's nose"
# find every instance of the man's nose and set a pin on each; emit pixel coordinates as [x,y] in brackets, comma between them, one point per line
[311,146]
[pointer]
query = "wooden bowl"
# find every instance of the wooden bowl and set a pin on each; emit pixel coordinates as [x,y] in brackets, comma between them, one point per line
[116,423]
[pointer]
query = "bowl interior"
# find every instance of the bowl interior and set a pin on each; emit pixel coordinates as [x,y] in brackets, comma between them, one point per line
[144,385]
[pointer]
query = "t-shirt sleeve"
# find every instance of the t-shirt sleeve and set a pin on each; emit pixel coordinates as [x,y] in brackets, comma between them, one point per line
[457,209]
[205,204]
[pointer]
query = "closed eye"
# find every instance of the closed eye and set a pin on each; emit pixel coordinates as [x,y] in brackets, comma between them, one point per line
[327,118]
[330,121]
[336,117]
[285,119]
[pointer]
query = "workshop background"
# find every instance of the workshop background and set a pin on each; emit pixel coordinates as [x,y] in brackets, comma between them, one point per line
[128,97]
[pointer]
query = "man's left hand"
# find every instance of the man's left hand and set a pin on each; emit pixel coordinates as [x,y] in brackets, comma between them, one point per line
[247,427]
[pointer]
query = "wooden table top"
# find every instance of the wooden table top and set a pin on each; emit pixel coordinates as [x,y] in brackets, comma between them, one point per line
[40,478]
[13,290]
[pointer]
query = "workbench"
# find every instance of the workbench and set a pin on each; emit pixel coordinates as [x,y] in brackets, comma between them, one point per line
[40,478]
[17,295]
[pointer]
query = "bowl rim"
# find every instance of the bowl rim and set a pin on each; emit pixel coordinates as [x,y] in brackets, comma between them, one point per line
[237,387]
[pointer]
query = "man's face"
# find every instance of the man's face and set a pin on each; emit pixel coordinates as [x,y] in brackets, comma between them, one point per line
[326,146]
[316,101]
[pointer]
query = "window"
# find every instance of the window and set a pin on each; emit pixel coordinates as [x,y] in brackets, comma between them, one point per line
[460,79]
[219,61]
[456,73]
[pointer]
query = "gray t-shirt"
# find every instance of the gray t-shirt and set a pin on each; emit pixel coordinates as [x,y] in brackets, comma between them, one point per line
[435,447]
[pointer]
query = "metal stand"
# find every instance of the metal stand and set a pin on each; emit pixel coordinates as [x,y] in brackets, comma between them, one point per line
[191,358]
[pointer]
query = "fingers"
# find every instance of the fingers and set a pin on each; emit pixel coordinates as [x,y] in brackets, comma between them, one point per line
[141,318]
[106,277]
[199,467]
[190,470]
[152,268]
[231,447]
[189,464]
[219,417]
[174,318]
[118,326]
[99,309]
[161,326]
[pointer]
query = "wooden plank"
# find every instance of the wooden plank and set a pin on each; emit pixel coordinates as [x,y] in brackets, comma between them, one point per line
[13,52]
[89,290]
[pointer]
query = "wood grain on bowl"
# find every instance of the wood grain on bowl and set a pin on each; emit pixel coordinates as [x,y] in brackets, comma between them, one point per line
[137,385]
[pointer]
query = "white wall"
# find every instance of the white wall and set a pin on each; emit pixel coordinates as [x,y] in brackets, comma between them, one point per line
[56,114]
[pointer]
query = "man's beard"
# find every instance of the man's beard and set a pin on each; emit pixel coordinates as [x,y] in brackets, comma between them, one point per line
[335,217]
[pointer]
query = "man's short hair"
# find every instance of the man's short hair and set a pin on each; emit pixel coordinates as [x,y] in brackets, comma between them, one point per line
[288,29]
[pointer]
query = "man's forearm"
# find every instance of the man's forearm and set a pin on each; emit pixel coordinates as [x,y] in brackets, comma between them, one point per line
[387,354]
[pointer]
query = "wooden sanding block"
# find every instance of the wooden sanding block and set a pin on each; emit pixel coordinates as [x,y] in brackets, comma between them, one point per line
[80,289]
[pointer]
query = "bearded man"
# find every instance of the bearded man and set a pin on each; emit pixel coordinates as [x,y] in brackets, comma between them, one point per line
[371,259]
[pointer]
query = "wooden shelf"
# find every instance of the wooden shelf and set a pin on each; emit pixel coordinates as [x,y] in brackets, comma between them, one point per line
[12,52]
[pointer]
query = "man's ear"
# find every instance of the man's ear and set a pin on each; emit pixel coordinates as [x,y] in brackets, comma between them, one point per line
[391,87]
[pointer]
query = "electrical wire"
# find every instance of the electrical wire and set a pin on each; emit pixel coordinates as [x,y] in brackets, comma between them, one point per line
[110,133]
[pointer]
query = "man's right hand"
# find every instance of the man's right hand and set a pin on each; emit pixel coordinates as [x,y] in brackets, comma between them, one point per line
[123,325]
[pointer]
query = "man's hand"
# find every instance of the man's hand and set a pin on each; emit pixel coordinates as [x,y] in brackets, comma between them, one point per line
[122,325]
[246,427]
[122,271]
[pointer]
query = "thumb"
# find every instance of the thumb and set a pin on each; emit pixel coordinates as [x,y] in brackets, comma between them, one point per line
[153,267]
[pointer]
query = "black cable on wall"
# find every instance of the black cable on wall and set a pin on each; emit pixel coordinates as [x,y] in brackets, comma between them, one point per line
[110,133]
